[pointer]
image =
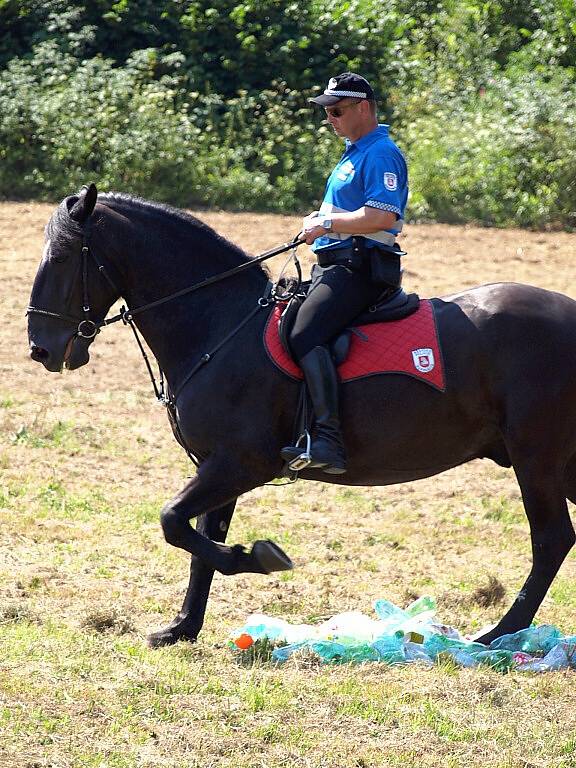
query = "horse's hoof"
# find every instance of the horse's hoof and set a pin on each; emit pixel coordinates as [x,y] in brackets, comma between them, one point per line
[270,557]
[486,635]
[166,637]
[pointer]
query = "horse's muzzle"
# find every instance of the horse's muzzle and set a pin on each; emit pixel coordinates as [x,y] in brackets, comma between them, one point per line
[40,354]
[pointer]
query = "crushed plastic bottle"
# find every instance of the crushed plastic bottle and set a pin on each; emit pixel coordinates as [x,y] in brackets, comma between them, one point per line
[544,637]
[415,652]
[403,636]
[561,656]
[284,652]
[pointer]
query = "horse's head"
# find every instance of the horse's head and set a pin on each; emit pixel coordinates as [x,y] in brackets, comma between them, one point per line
[70,297]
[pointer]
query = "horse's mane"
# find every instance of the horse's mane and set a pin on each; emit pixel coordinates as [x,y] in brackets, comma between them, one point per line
[64,230]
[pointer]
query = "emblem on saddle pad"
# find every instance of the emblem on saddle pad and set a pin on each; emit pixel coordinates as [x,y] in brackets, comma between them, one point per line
[423,359]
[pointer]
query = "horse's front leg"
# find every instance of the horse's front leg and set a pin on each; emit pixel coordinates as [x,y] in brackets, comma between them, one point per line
[216,485]
[189,620]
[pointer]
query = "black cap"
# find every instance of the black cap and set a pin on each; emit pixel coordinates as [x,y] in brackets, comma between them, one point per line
[343,86]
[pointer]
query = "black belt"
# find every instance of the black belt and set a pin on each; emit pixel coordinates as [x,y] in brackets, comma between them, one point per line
[383,262]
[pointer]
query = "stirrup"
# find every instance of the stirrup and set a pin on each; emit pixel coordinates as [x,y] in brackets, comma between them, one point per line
[304,459]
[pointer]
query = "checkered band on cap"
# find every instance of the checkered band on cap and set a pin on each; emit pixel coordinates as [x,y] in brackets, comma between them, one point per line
[329,92]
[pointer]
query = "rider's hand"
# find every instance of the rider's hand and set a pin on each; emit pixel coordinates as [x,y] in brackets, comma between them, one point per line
[311,228]
[311,234]
[307,219]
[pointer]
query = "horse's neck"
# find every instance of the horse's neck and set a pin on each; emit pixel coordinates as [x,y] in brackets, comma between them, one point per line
[182,329]
[182,332]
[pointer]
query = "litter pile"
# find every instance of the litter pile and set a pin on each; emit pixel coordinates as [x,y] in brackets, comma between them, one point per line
[401,636]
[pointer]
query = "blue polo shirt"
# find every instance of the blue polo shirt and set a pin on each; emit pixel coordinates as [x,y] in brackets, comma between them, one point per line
[372,172]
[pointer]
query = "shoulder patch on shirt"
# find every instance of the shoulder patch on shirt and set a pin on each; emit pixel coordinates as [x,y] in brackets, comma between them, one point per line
[390,181]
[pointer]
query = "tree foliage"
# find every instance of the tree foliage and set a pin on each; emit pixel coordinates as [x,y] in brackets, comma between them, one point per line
[205,102]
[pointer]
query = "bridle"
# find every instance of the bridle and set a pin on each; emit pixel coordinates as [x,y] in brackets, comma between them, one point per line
[88,327]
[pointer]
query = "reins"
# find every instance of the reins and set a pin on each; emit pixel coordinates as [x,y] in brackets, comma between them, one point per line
[126,314]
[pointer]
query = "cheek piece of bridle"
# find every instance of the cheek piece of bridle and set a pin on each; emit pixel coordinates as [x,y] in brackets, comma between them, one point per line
[88,328]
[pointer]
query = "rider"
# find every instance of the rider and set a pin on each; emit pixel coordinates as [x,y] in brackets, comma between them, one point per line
[354,238]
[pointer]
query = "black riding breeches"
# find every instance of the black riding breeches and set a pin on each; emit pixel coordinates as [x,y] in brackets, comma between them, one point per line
[337,295]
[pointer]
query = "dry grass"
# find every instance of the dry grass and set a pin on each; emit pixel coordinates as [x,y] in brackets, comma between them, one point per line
[87,459]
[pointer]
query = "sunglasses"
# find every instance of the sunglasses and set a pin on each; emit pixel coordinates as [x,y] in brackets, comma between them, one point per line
[339,111]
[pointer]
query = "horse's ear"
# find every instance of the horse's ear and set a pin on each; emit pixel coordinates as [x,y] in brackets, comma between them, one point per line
[83,207]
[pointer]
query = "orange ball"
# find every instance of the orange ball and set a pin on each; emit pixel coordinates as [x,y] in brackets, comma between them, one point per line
[243,641]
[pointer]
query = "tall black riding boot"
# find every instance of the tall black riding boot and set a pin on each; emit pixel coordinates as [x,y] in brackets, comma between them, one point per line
[327,449]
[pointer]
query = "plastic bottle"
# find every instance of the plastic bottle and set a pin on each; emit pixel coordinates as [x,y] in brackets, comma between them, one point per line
[497,659]
[351,625]
[437,643]
[461,657]
[561,656]
[390,648]
[385,610]
[329,651]
[415,652]
[416,618]
[424,605]
[283,653]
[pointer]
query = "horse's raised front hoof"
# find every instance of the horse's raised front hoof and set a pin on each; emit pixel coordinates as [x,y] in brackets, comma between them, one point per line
[168,636]
[270,557]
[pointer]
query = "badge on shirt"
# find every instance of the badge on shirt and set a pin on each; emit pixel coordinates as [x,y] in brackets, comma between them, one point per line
[346,171]
[390,181]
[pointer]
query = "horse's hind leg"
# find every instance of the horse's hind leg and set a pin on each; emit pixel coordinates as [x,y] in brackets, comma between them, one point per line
[189,620]
[570,480]
[552,537]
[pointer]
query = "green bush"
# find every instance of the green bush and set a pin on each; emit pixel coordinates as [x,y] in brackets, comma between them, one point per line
[509,158]
[62,124]
[205,102]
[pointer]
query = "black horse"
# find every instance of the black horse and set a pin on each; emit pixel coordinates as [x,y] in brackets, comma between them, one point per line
[509,352]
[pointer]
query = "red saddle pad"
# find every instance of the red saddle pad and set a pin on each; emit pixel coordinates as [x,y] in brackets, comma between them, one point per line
[410,346]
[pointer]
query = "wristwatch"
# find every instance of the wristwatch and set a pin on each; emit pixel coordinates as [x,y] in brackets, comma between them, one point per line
[327,224]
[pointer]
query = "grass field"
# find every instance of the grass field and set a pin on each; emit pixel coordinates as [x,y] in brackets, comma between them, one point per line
[87,460]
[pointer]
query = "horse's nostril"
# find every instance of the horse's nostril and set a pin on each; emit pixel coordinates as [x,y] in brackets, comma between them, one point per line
[38,353]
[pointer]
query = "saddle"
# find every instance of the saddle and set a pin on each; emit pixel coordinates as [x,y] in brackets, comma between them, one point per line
[393,304]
